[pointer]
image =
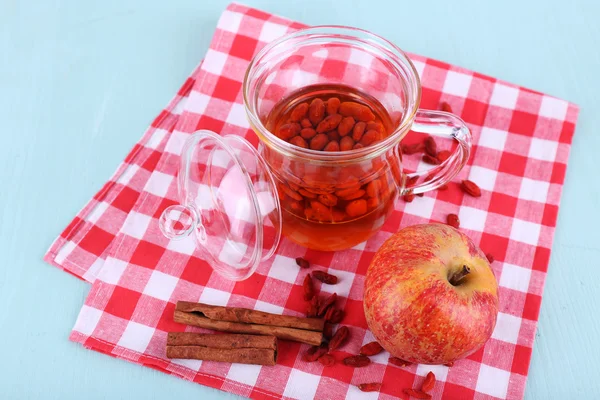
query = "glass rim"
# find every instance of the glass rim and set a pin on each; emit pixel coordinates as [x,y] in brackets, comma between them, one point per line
[401,58]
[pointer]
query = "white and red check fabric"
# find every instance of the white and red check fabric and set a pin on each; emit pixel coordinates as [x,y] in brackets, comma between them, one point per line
[521,144]
[82,247]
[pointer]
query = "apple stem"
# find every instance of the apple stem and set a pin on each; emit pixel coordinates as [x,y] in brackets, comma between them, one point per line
[459,275]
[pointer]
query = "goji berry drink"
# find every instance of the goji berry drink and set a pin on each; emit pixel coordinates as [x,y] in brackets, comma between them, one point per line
[329,130]
[330,118]
[325,207]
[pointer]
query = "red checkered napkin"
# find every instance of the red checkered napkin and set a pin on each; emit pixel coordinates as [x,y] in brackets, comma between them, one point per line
[82,246]
[521,144]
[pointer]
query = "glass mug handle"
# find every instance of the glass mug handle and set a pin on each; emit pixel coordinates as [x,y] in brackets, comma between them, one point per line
[449,126]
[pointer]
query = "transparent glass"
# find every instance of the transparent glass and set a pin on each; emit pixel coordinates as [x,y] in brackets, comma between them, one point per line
[228,204]
[335,200]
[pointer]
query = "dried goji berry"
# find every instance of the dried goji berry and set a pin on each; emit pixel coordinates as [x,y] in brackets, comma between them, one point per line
[452,220]
[429,382]
[373,188]
[314,353]
[398,362]
[377,126]
[370,349]
[411,181]
[346,126]
[327,360]
[329,123]
[356,208]
[369,387]
[412,148]
[302,263]
[328,199]
[299,141]
[443,155]
[346,143]
[290,192]
[357,361]
[332,146]
[339,338]
[329,314]
[319,141]
[306,194]
[490,258]
[309,291]
[337,316]
[313,307]
[430,160]
[333,136]
[288,131]
[429,177]
[357,194]
[344,193]
[358,130]
[320,211]
[325,305]
[316,111]
[328,331]
[369,137]
[470,188]
[305,123]
[299,112]
[325,277]
[294,186]
[445,107]
[308,133]
[430,146]
[309,354]
[333,104]
[295,207]
[356,110]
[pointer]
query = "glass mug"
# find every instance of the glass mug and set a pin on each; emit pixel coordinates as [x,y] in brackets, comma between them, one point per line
[237,201]
[324,58]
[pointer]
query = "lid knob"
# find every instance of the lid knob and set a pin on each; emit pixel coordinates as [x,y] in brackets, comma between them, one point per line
[178,221]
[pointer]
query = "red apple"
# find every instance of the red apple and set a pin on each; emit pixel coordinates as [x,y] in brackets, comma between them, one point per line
[430,295]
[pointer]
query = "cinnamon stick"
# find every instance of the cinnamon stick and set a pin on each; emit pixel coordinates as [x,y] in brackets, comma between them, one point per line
[247,316]
[298,335]
[241,356]
[244,349]
[224,341]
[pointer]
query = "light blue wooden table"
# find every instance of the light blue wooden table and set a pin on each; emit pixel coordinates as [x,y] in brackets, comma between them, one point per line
[80,81]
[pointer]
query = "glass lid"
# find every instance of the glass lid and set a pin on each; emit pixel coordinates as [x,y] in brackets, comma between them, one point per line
[228,202]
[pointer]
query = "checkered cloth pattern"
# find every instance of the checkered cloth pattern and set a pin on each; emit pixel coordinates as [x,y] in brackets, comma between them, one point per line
[521,145]
[82,247]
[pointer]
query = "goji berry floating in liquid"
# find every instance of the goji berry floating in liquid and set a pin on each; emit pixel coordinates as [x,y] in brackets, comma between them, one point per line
[324,208]
[328,109]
